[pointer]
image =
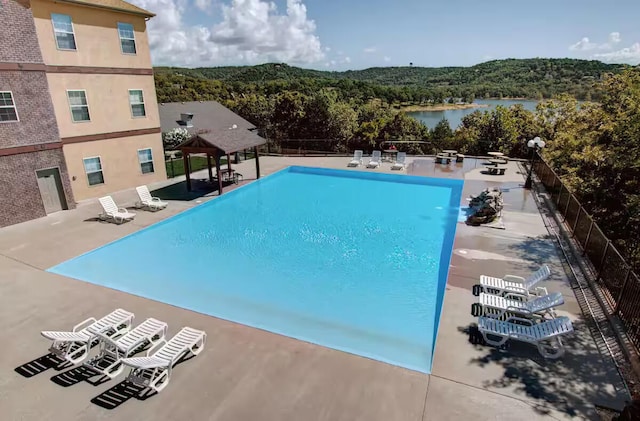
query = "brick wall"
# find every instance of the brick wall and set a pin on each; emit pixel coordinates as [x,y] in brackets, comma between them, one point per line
[20,198]
[35,110]
[18,38]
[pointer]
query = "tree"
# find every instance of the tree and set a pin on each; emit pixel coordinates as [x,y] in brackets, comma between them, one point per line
[441,135]
[174,137]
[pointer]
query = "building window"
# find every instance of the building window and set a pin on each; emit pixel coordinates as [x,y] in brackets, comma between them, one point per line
[79,106]
[146,160]
[8,110]
[93,169]
[127,38]
[63,29]
[136,100]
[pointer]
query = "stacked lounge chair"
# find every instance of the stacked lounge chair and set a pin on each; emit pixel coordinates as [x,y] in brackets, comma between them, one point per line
[374,162]
[400,161]
[516,308]
[357,159]
[119,343]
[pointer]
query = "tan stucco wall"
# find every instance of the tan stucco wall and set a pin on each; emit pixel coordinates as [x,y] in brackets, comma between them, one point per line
[96,33]
[108,99]
[120,166]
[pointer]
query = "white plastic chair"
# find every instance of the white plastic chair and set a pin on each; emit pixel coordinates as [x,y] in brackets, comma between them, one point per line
[146,200]
[400,161]
[357,159]
[515,284]
[374,162]
[527,330]
[108,361]
[112,211]
[517,304]
[154,371]
[74,346]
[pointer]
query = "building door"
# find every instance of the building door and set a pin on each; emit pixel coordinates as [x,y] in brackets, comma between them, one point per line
[51,190]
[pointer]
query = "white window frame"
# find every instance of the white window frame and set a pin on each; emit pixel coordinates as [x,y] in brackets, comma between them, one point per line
[71,106]
[73,32]
[120,38]
[153,164]
[15,109]
[137,103]
[92,172]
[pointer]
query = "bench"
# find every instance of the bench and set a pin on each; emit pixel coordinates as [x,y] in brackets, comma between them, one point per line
[497,170]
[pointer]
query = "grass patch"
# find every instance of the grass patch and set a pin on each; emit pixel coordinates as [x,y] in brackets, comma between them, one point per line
[176,167]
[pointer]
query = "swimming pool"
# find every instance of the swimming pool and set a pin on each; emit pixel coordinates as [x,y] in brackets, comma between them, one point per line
[351,260]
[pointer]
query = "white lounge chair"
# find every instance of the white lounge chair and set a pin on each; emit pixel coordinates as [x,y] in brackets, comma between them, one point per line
[109,360]
[146,200]
[374,162]
[111,211]
[515,284]
[515,303]
[357,159]
[527,330]
[400,161]
[74,346]
[154,371]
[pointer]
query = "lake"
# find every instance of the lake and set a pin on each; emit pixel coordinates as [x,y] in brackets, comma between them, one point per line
[431,118]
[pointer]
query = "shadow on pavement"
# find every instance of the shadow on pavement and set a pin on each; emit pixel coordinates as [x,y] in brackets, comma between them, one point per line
[572,384]
[40,365]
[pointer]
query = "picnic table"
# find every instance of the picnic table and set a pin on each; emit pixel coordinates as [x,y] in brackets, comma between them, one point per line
[495,153]
[443,158]
[450,152]
[497,161]
[497,170]
[390,155]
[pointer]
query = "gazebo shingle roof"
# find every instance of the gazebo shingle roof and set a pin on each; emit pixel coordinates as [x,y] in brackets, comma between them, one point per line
[213,126]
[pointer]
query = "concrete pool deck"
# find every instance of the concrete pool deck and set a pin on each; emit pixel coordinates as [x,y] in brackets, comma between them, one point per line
[247,374]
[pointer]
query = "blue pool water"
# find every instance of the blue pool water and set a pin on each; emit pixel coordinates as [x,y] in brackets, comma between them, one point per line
[351,260]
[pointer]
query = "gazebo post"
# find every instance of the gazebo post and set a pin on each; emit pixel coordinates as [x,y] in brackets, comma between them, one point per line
[187,170]
[209,168]
[255,150]
[229,164]
[218,173]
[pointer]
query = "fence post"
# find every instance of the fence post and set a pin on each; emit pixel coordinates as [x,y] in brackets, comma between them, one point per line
[624,286]
[604,256]
[586,242]
[559,193]
[575,224]
[566,208]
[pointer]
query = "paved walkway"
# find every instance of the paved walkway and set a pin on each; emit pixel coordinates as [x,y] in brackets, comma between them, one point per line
[249,374]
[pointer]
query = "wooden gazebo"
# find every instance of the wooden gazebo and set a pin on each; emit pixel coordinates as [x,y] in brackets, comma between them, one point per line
[216,144]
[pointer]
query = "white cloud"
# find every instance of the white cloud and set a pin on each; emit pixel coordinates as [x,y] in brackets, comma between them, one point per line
[204,5]
[629,55]
[327,49]
[386,59]
[370,50]
[609,51]
[251,31]
[583,45]
[614,38]
[346,60]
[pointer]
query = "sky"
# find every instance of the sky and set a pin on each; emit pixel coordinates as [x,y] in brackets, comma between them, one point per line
[357,34]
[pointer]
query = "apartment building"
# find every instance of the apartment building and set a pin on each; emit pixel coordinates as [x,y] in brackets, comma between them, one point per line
[98,68]
[33,174]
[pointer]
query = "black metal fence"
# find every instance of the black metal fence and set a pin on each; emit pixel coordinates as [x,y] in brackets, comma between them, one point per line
[621,285]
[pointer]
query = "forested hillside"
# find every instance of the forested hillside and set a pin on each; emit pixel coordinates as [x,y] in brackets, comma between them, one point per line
[532,78]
